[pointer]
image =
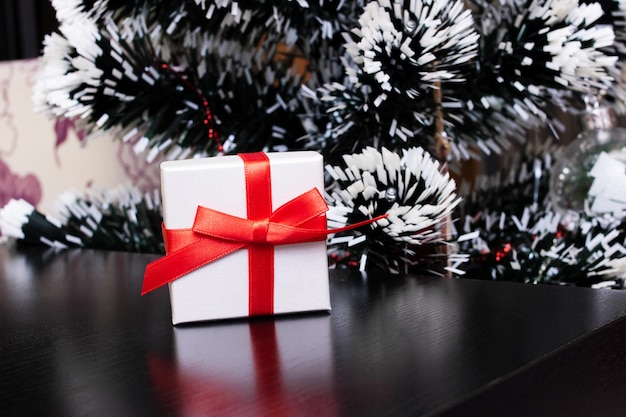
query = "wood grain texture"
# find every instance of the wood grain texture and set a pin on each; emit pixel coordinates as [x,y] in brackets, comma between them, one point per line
[77,339]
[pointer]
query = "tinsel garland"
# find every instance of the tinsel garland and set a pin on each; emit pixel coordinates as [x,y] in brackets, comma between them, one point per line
[505,231]
[534,55]
[535,248]
[152,78]
[358,81]
[531,55]
[416,197]
[517,236]
[123,219]
[615,16]
[331,75]
[398,54]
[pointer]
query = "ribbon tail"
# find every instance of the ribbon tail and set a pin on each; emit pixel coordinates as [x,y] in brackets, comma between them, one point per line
[172,266]
[357,225]
[314,230]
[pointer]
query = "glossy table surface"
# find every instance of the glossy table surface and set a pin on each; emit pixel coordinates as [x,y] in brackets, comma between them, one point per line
[77,339]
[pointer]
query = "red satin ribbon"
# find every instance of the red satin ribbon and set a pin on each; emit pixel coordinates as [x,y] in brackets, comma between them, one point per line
[260,255]
[215,234]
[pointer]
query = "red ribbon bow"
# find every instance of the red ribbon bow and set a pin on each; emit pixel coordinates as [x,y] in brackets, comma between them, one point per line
[215,234]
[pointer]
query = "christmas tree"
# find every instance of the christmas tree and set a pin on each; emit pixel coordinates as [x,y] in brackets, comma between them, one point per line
[396,95]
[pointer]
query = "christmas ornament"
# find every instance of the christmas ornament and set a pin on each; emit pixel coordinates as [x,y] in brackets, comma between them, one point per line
[599,152]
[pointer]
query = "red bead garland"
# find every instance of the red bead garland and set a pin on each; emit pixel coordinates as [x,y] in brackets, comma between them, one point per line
[208,121]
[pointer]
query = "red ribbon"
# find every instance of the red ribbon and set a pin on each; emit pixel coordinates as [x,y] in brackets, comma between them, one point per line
[215,234]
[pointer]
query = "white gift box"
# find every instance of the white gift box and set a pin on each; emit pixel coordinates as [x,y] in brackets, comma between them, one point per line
[220,289]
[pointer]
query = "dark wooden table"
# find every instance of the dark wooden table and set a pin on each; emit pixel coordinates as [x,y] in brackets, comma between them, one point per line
[76,339]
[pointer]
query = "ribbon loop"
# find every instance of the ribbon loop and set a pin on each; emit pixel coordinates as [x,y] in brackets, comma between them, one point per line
[299,220]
